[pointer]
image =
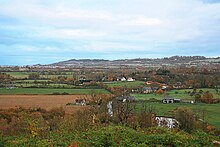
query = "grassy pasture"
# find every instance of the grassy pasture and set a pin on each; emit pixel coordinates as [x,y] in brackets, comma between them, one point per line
[22,75]
[126,84]
[182,94]
[50,91]
[55,76]
[19,75]
[212,113]
[147,96]
[30,81]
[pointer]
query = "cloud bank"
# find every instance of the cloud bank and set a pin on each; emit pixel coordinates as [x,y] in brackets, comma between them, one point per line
[35,31]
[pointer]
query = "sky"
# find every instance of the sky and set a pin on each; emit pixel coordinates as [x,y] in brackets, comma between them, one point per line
[48,31]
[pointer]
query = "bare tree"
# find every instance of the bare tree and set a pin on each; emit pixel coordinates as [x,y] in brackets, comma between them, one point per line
[124,107]
[186,118]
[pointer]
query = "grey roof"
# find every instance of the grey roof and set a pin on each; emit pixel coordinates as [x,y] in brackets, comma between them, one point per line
[168,98]
[147,88]
[125,97]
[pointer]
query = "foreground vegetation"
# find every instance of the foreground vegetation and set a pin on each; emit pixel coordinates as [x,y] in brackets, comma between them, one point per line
[115,136]
[37,127]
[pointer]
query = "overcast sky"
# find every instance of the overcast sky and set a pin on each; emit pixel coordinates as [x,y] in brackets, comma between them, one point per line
[47,31]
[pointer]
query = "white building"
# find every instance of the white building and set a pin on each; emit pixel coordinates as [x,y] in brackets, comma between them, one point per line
[130,80]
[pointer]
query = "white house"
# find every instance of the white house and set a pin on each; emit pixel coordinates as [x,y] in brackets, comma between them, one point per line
[130,79]
[123,79]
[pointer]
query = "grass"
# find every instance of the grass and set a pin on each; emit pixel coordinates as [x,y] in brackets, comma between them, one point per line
[30,81]
[55,76]
[27,85]
[22,75]
[19,75]
[181,94]
[126,84]
[147,96]
[212,113]
[50,91]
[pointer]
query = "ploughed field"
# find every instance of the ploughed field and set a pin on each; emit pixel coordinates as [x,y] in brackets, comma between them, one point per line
[41,101]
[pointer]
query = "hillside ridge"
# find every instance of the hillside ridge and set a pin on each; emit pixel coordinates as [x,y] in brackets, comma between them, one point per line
[185,61]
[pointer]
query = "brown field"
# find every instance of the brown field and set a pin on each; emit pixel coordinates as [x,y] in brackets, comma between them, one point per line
[41,101]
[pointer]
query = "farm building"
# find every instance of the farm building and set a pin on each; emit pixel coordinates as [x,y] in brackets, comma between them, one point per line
[121,79]
[125,98]
[149,82]
[178,85]
[130,80]
[168,99]
[147,90]
[150,89]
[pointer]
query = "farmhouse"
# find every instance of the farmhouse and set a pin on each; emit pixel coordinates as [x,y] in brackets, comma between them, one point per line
[121,79]
[147,90]
[149,82]
[164,87]
[178,85]
[130,79]
[168,99]
[81,102]
[125,98]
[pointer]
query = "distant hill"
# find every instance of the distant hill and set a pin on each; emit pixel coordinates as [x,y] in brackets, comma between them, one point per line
[185,61]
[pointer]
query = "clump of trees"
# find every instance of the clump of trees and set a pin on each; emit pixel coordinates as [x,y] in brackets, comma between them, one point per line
[205,97]
[5,79]
[33,76]
[35,122]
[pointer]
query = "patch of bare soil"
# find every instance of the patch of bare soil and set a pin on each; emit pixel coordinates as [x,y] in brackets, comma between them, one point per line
[41,101]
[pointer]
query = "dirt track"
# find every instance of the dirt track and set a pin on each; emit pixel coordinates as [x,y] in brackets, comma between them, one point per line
[43,101]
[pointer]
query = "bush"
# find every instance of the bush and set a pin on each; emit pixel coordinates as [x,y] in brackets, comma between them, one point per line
[55,93]
[186,118]
[124,136]
[65,93]
[79,130]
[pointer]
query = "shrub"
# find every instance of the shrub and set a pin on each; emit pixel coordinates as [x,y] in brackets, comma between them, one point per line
[186,119]
[55,93]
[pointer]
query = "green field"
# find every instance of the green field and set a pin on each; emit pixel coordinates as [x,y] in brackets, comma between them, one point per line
[212,113]
[19,75]
[26,85]
[147,96]
[181,94]
[22,75]
[125,84]
[50,91]
[30,81]
[55,76]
